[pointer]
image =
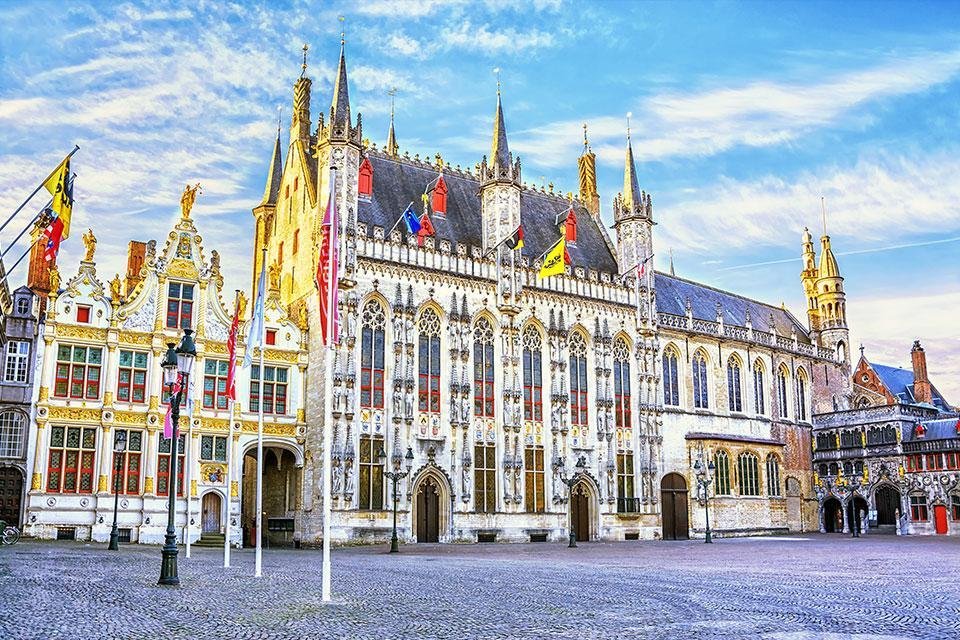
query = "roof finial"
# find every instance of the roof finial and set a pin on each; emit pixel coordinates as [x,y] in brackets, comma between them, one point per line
[861,349]
[343,38]
[629,115]
[823,211]
[496,70]
[392,93]
[303,67]
[279,114]
[671,262]
[585,141]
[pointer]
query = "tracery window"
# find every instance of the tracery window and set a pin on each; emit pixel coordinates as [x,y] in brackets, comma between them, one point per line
[484,478]
[429,359]
[372,350]
[371,474]
[721,479]
[733,385]
[671,386]
[535,496]
[782,375]
[773,476]
[12,424]
[128,480]
[72,455]
[532,375]
[758,401]
[801,395]
[622,414]
[483,368]
[626,497]
[700,395]
[748,474]
[578,379]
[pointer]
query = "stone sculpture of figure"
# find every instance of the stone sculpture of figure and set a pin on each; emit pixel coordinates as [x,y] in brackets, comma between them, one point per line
[274,273]
[241,304]
[214,261]
[337,392]
[90,245]
[115,288]
[187,199]
[336,478]
[348,479]
[54,279]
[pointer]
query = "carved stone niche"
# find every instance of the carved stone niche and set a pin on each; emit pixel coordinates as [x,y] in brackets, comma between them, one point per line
[461,249]
[605,277]
[593,275]
[444,246]
[378,233]
[395,237]
[476,253]
[362,229]
[579,272]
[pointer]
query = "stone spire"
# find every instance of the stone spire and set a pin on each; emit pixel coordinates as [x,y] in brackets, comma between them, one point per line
[631,202]
[340,106]
[392,148]
[271,192]
[500,151]
[587,165]
[300,122]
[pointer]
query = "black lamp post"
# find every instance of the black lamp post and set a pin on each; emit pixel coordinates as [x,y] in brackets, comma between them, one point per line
[396,475]
[704,480]
[177,361]
[119,446]
[570,481]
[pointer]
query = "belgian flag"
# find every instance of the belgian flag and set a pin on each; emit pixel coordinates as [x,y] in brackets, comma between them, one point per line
[515,241]
[60,186]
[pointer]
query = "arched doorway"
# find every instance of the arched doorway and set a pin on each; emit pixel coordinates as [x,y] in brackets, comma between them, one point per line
[887,500]
[210,517]
[832,515]
[428,511]
[673,500]
[580,511]
[281,491]
[940,518]
[11,494]
[856,512]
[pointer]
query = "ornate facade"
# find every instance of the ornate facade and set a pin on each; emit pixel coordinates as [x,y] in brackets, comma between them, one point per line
[500,382]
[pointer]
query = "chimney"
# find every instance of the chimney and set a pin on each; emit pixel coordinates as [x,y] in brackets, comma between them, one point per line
[136,254]
[921,385]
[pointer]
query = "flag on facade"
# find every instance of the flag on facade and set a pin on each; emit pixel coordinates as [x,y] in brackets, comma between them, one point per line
[515,240]
[255,335]
[232,354]
[642,267]
[555,260]
[60,186]
[327,267]
[410,218]
[52,236]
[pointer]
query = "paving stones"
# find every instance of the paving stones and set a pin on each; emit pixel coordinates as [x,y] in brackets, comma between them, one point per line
[815,587]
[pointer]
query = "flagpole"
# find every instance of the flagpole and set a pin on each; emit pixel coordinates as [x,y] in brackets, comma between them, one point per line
[234,329]
[328,396]
[25,229]
[188,445]
[258,563]
[40,186]
[398,219]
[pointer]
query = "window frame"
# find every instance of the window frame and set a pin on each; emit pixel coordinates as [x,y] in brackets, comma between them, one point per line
[484,477]
[179,314]
[130,386]
[131,462]
[734,387]
[71,377]
[163,464]
[774,489]
[13,429]
[214,441]
[919,509]
[373,342]
[622,396]
[577,380]
[277,403]
[698,368]
[484,389]
[759,403]
[721,476]
[535,500]
[671,378]
[16,369]
[218,379]
[370,485]
[428,362]
[626,482]
[532,375]
[82,468]
[748,474]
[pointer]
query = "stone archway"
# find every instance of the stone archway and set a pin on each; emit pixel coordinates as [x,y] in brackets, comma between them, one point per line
[281,477]
[430,516]
[856,514]
[887,500]
[832,515]
[673,500]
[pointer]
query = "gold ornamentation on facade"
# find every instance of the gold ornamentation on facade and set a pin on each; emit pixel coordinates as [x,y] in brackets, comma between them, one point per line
[234,489]
[213,473]
[44,394]
[211,346]
[102,484]
[148,484]
[81,333]
[89,245]
[301,415]
[188,198]
[36,482]
[74,414]
[107,397]
[154,403]
[273,429]
[280,356]
[129,417]
[193,488]
[139,339]
[180,268]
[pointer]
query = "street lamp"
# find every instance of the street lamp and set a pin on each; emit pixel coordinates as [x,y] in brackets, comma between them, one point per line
[704,480]
[396,475]
[570,481]
[177,363]
[119,446]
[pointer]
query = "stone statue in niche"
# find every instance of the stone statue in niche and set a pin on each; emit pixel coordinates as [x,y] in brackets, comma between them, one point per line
[336,477]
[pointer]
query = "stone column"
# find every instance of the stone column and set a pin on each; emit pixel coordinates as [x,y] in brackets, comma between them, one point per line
[106,459]
[150,464]
[846,525]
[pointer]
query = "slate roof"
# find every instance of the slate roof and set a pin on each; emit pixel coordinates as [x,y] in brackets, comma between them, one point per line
[397,182]
[899,382]
[945,429]
[673,293]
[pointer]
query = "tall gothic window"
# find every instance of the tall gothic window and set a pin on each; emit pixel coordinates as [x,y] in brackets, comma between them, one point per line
[484,478]
[532,375]
[700,395]
[733,385]
[721,476]
[483,404]
[626,499]
[371,473]
[782,375]
[801,395]
[773,476]
[578,379]
[621,384]
[758,387]
[429,357]
[671,382]
[748,474]
[372,355]
[535,496]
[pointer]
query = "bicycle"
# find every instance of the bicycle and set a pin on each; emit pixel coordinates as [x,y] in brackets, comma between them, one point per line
[11,535]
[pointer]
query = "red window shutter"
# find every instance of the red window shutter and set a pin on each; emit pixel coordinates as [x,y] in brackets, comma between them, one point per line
[571,227]
[83,314]
[365,181]
[439,200]
[271,336]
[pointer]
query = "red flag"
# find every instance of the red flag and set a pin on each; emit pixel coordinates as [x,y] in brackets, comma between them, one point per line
[327,267]
[426,229]
[52,235]
[232,355]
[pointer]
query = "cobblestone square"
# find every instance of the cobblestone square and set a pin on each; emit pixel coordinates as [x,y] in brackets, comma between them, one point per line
[785,588]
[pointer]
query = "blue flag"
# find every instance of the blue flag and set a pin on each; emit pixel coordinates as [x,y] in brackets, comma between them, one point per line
[409,217]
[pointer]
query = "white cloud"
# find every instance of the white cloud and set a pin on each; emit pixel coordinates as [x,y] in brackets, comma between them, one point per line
[404,9]
[481,38]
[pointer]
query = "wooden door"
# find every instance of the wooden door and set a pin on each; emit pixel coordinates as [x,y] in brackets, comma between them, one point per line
[888,501]
[580,512]
[428,511]
[940,518]
[673,502]
[211,513]
[11,490]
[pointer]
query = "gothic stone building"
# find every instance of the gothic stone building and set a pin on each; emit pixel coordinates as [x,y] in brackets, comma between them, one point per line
[101,375]
[892,462]
[500,382]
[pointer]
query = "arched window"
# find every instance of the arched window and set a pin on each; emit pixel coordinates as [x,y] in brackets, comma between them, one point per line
[848,468]
[429,356]
[671,387]
[365,179]
[721,478]
[578,379]
[621,384]
[11,434]
[733,385]
[748,474]
[483,369]
[758,401]
[801,395]
[782,375]
[841,351]
[23,305]
[439,200]
[532,375]
[700,396]
[773,476]
[833,469]
[372,347]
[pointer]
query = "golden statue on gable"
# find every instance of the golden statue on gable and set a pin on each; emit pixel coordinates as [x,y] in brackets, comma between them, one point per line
[90,244]
[274,273]
[188,198]
[115,289]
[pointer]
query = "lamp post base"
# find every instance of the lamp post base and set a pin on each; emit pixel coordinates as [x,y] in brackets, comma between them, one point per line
[114,539]
[709,538]
[394,544]
[168,565]
[573,541]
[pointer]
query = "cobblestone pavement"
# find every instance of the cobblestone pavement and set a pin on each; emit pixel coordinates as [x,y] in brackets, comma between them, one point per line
[786,588]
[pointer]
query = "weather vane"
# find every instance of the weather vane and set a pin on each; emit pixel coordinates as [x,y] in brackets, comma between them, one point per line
[629,115]
[343,33]
[303,67]
[496,70]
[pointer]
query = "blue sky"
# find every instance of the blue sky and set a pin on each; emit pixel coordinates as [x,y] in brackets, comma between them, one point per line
[743,116]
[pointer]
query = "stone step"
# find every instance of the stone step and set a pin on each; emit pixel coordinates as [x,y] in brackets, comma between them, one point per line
[210,540]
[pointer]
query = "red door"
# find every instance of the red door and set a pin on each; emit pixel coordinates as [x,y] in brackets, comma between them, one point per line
[940,518]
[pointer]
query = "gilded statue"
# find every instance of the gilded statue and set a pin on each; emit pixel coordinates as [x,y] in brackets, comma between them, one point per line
[54,279]
[90,244]
[274,272]
[115,288]
[241,304]
[188,198]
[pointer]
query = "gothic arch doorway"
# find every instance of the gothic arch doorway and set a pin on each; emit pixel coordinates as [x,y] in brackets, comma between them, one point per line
[580,511]
[855,507]
[673,501]
[428,511]
[832,516]
[211,507]
[887,500]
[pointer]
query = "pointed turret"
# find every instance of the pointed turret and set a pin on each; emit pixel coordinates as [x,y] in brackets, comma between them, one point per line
[587,165]
[828,263]
[392,148]
[631,202]
[300,122]
[808,277]
[500,151]
[271,192]
[264,212]
[499,185]
[831,301]
[340,106]
[632,215]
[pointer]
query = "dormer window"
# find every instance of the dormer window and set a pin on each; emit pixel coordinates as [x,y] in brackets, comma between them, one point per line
[179,305]
[365,181]
[570,227]
[83,314]
[439,200]
[23,306]
[920,431]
